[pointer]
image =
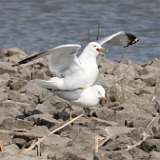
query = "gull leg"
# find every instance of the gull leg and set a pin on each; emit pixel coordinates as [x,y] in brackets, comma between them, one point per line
[1,147]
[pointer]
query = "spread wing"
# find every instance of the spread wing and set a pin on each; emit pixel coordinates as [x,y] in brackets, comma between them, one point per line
[120,39]
[59,58]
[72,95]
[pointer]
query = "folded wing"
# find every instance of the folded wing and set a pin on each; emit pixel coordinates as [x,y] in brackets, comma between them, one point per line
[72,95]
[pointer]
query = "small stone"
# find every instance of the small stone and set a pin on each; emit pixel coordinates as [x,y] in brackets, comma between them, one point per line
[6,67]
[4,79]
[16,84]
[125,71]
[10,123]
[149,79]
[43,119]
[15,55]
[11,149]
[106,66]
[151,145]
[20,142]
[154,155]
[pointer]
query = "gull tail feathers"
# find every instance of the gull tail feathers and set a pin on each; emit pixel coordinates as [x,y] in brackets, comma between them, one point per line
[53,83]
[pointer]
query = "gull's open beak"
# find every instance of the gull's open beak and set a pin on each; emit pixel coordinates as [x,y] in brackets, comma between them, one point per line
[102,101]
[101,50]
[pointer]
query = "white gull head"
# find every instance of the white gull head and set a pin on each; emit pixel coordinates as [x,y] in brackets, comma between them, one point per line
[93,95]
[94,49]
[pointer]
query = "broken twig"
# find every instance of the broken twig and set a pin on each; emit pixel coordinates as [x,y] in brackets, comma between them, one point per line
[34,144]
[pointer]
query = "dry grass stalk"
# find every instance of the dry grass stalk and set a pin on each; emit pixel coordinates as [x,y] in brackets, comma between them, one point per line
[34,144]
[145,136]
[151,122]
[98,142]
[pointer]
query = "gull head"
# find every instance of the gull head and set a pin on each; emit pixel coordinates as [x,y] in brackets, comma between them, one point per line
[100,94]
[92,96]
[95,48]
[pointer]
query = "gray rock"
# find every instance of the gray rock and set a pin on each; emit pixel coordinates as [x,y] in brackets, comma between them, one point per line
[151,145]
[76,110]
[157,87]
[5,138]
[118,155]
[9,108]
[4,80]
[145,90]
[116,92]
[12,152]
[14,55]
[106,66]
[16,84]
[125,71]
[24,107]
[71,156]
[156,63]
[155,155]
[11,149]
[130,88]
[10,123]
[38,93]
[139,154]
[149,79]
[6,67]
[121,92]
[116,131]
[106,80]
[3,52]
[3,94]
[24,72]
[22,97]
[43,119]
[53,104]
[40,131]
[55,145]
[39,73]
[20,142]
[152,69]
[156,130]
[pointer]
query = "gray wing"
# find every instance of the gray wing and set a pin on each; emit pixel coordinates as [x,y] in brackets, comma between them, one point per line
[69,95]
[59,58]
[120,39]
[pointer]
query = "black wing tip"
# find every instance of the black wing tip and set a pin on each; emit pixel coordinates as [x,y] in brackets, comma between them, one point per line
[28,59]
[132,39]
[15,65]
[21,62]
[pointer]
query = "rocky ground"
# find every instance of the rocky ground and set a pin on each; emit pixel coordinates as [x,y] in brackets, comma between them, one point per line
[126,128]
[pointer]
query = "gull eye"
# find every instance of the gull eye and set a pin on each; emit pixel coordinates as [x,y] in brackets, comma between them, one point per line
[99,92]
[94,45]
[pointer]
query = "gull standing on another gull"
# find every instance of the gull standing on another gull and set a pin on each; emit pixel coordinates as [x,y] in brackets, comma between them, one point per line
[76,70]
